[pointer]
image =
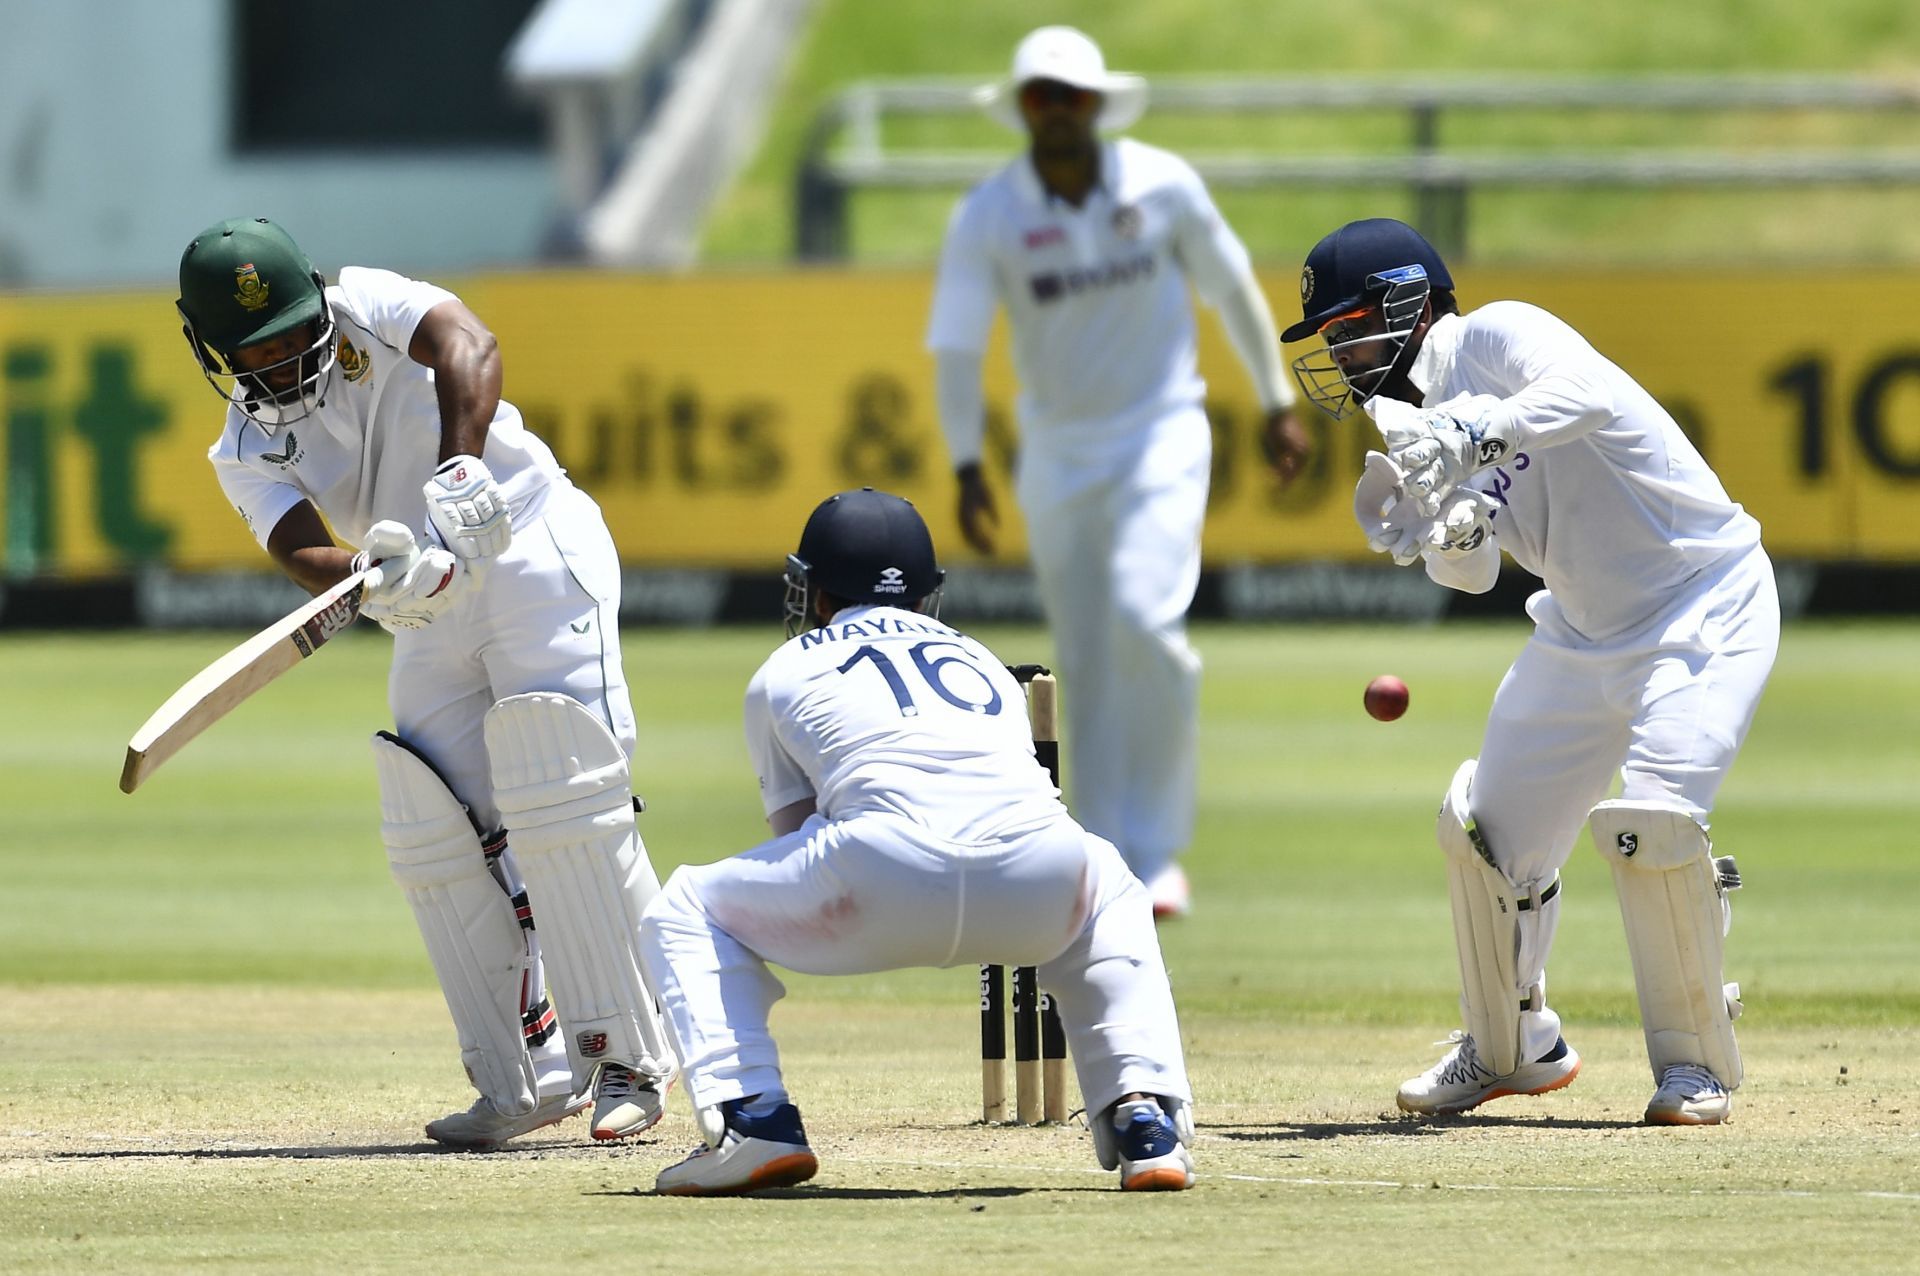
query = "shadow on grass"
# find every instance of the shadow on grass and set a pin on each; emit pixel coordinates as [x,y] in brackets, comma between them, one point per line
[373,1151]
[873,1193]
[1284,1131]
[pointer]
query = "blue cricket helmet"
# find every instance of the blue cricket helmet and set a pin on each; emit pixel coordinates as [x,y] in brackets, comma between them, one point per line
[869,548]
[1353,267]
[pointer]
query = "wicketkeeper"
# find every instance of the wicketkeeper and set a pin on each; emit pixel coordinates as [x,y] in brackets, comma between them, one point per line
[1505,430]
[375,401]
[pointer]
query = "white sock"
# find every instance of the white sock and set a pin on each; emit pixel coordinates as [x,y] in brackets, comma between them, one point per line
[763,1104]
[1123,1112]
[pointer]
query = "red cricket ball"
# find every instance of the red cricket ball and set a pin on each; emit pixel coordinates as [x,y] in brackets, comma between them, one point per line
[1386,697]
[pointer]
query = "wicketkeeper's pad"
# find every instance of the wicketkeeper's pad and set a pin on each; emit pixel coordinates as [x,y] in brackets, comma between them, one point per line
[561,782]
[1673,899]
[1500,930]
[476,945]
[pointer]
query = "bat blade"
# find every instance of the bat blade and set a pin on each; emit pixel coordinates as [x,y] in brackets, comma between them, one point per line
[216,690]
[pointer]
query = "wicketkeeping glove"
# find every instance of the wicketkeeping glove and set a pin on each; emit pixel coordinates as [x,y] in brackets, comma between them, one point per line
[1438,449]
[1463,525]
[1388,517]
[467,509]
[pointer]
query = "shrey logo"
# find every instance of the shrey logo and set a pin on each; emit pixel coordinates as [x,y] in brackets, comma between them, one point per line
[1628,843]
[253,289]
[593,1044]
[354,364]
[892,581]
[1306,282]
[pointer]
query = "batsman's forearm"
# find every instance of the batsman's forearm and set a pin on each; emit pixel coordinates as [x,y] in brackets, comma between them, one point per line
[302,546]
[467,380]
[318,570]
[963,413]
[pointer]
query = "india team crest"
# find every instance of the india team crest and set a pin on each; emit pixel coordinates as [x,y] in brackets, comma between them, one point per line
[253,289]
[1306,282]
[353,364]
[1127,221]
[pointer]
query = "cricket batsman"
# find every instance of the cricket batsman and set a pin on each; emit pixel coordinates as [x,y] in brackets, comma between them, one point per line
[374,403]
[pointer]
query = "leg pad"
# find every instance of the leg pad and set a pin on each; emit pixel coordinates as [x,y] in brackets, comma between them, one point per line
[561,782]
[476,945]
[1498,928]
[1673,899]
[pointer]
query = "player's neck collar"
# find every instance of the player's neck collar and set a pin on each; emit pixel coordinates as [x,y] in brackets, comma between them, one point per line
[1435,357]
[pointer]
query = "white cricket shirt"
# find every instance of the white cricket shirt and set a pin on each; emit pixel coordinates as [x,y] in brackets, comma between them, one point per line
[1101,323]
[365,453]
[1606,500]
[886,710]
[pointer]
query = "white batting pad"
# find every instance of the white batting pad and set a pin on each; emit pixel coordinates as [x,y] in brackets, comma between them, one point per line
[560,780]
[1500,931]
[1673,901]
[474,941]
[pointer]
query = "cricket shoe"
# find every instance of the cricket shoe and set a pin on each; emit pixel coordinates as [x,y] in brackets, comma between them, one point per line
[1689,1095]
[626,1101]
[1152,1158]
[483,1127]
[1461,1080]
[1171,895]
[750,1153]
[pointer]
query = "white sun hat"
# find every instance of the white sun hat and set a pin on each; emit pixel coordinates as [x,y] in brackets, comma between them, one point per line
[1071,57]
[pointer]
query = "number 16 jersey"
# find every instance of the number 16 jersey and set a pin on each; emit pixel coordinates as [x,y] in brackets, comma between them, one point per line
[889,711]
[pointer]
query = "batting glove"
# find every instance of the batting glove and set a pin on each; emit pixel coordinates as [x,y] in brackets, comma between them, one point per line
[1438,449]
[416,584]
[467,509]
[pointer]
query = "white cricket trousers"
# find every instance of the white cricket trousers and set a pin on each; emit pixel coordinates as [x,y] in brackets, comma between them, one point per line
[878,892]
[543,616]
[1668,716]
[1113,515]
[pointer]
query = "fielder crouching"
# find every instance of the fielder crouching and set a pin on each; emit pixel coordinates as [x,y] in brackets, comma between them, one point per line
[912,827]
[375,401]
[1505,430]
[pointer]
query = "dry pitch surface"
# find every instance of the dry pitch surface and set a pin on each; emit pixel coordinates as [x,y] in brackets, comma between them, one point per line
[221,1039]
[258,1131]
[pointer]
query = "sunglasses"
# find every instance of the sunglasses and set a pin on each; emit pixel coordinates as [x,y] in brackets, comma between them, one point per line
[1038,93]
[1352,326]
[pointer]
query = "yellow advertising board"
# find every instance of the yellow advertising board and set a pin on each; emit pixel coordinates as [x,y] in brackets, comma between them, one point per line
[708,414]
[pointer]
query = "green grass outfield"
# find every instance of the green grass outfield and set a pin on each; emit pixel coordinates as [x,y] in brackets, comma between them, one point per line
[850,40]
[221,1036]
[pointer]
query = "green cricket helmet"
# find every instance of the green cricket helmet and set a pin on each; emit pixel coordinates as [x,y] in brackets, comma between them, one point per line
[244,282]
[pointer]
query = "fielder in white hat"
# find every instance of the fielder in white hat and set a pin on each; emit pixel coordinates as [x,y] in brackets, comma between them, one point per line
[1062,55]
[1091,245]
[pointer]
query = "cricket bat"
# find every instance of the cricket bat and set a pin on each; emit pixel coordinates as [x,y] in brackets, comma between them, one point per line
[214,692]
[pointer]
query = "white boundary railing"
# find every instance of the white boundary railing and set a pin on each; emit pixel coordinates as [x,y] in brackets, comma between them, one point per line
[846,149]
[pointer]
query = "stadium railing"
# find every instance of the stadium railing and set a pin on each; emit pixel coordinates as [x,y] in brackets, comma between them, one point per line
[598,68]
[845,148]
